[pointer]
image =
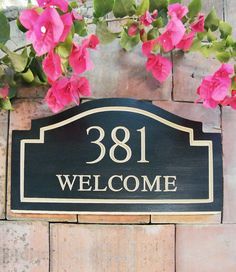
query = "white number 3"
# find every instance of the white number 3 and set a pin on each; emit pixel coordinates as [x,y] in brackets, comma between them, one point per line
[118,144]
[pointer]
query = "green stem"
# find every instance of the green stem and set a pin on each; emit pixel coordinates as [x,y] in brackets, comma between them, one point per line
[115,20]
[22,47]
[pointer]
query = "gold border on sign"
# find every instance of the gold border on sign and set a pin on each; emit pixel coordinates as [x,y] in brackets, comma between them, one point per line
[192,142]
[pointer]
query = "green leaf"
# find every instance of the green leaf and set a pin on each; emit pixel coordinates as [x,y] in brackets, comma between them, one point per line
[143,7]
[230,41]
[205,51]
[174,1]
[225,29]
[80,28]
[12,92]
[1,71]
[74,5]
[158,23]
[5,104]
[5,29]
[201,35]
[196,45]
[18,61]
[20,26]
[152,34]
[163,15]
[212,21]
[211,36]
[158,4]
[194,8]
[102,7]
[233,86]
[63,50]
[36,68]
[127,42]
[28,76]
[124,8]
[218,46]
[104,34]
[223,56]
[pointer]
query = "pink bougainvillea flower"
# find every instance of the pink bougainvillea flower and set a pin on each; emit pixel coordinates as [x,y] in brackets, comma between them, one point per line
[61,4]
[91,42]
[198,26]
[53,103]
[177,10]
[79,59]
[148,46]
[159,66]
[226,101]
[28,18]
[67,21]
[173,34]
[233,101]
[146,19]
[66,90]
[214,89]
[133,30]
[225,71]
[205,92]
[4,91]
[76,16]
[62,91]
[52,66]
[44,30]
[230,100]
[186,42]
[155,14]
[143,35]
[79,87]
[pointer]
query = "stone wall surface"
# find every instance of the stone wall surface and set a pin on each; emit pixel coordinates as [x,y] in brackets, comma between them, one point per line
[137,243]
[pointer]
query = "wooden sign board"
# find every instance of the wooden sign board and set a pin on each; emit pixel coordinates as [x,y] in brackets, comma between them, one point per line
[116,156]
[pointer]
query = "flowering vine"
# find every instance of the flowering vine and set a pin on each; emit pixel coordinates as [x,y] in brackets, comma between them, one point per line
[59,46]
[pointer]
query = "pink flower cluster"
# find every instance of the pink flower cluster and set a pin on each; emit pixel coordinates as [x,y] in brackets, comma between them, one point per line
[216,89]
[174,36]
[145,20]
[47,28]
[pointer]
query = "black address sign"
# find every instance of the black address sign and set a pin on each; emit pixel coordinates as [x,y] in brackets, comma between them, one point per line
[116,156]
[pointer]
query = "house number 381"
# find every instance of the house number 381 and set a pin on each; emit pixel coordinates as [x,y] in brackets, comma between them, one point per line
[118,143]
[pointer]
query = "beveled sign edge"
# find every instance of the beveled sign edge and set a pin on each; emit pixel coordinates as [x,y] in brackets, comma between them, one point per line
[73,112]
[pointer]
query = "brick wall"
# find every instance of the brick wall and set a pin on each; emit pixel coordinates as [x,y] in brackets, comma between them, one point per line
[85,243]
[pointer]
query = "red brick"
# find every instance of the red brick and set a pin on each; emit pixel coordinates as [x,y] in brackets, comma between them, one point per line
[32,92]
[114,219]
[208,5]
[112,248]
[121,74]
[195,112]
[229,162]
[3,157]
[206,248]
[24,246]
[189,69]
[187,219]
[230,10]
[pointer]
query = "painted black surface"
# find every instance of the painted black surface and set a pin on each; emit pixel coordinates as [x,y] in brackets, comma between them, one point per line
[67,149]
